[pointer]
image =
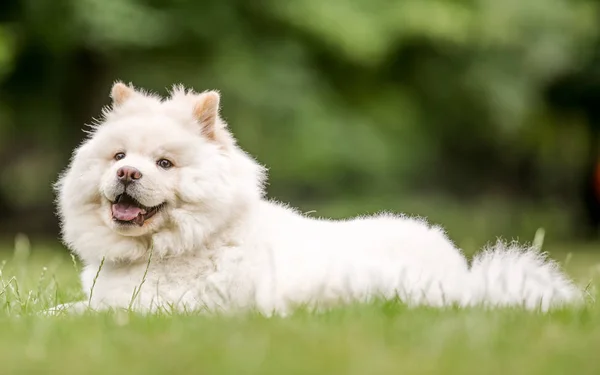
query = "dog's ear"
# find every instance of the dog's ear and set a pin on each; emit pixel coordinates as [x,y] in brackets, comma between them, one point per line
[120,93]
[206,112]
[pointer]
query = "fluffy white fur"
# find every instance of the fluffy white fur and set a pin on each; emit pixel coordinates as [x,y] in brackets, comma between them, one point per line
[218,244]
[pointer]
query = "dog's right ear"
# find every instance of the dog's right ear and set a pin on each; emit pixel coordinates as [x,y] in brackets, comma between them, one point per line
[120,93]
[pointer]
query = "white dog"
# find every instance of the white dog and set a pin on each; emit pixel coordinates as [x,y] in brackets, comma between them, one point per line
[166,211]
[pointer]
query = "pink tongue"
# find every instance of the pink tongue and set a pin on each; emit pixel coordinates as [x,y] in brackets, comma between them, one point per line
[125,212]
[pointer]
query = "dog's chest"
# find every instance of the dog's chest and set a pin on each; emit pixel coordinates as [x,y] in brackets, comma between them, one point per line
[189,283]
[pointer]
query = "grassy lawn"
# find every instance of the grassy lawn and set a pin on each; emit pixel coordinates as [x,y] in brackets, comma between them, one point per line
[382,338]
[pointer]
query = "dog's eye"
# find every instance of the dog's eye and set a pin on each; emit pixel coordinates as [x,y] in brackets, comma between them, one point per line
[164,163]
[119,155]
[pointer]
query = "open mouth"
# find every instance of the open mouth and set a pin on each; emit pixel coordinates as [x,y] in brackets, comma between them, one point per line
[126,210]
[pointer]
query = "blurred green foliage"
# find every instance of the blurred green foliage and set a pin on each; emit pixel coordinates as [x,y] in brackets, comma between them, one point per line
[340,98]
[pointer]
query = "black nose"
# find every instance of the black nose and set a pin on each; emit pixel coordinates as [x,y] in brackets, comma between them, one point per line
[128,174]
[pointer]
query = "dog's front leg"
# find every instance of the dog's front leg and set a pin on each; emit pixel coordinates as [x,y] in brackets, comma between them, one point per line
[76,308]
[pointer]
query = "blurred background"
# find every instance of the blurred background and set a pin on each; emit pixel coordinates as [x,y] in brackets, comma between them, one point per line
[479,114]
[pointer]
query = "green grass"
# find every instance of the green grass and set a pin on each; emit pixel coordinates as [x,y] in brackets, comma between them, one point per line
[381,338]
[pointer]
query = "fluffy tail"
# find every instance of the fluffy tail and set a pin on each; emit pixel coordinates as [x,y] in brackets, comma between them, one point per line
[510,275]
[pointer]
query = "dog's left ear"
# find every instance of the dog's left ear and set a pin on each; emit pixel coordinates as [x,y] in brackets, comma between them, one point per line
[206,112]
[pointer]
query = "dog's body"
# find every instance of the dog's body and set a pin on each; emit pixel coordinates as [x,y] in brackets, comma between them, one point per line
[166,211]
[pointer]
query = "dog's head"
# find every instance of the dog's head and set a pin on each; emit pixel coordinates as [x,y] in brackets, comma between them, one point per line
[161,173]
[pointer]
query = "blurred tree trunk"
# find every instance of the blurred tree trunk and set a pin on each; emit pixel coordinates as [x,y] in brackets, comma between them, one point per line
[591,185]
[80,79]
[581,92]
[85,91]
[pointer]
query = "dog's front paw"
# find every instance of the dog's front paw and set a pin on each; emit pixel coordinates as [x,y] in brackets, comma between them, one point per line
[67,308]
